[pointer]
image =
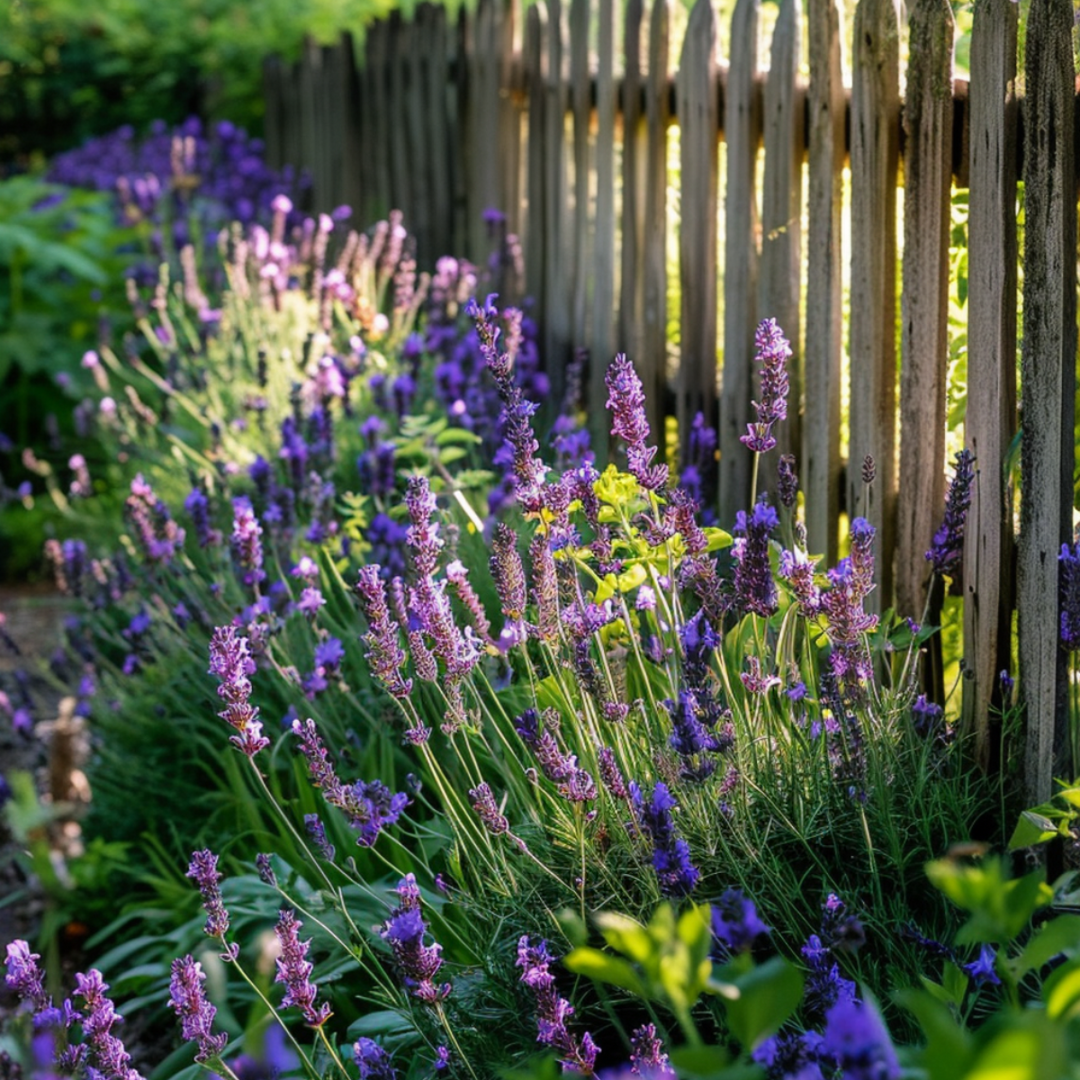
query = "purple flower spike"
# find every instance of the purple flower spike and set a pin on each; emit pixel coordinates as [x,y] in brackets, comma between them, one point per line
[24,977]
[736,924]
[230,661]
[196,1014]
[488,811]
[405,931]
[107,1052]
[373,1061]
[553,1011]
[294,971]
[247,541]
[773,353]
[382,639]
[947,550]
[647,1057]
[671,853]
[855,1037]
[204,872]
[755,589]
[626,400]
[1069,591]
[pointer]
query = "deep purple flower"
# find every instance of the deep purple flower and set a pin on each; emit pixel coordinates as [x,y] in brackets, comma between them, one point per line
[552,1011]
[560,768]
[755,589]
[198,507]
[690,738]
[787,481]
[736,924]
[316,830]
[773,353]
[508,572]
[1069,593]
[790,1056]
[196,1014]
[797,569]
[855,1037]
[671,854]
[294,970]
[204,872]
[626,401]
[981,969]
[405,931]
[610,773]
[373,1061]
[947,550]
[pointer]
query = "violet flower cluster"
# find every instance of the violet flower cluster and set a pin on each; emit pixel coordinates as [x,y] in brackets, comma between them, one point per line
[294,971]
[773,353]
[947,549]
[553,1011]
[188,1000]
[626,400]
[405,931]
[231,662]
[675,873]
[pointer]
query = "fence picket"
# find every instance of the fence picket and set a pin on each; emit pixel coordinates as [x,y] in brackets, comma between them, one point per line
[634,162]
[820,465]
[991,407]
[581,103]
[535,58]
[924,337]
[653,367]
[741,132]
[875,131]
[1048,373]
[603,262]
[439,130]
[781,213]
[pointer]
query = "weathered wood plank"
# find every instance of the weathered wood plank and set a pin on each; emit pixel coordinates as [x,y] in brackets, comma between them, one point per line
[781,216]
[1048,373]
[742,126]
[603,284]
[535,60]
[411,58]
[581,103]
[653,357]
[991,406]
[698,135]
[400,175]
[376,85]
[924,335]
[628,338]
[509,116]
[820,466]
[440,133]
[557,325]
[875,131]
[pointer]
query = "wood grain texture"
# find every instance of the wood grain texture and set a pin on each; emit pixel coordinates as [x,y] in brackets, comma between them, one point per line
[653,355]
[742,126]
[820,465]
[1048,377]
[781,218]
[924,336]
[601,345]
[875,137]
[628,338]
[991,406]
[581,103]
[535,60]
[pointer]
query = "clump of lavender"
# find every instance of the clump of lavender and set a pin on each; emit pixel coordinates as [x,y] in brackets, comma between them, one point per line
[231,662]
[294,971]
[773,353]
[647,1057]
[188,1000]
[626,401]
[405,931]
[947,550]
[671,853]
[552,1011]
[841,932]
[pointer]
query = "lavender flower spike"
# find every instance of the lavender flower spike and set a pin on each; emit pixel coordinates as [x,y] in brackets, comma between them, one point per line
[107,1052]
[196,1014]
[773,353]
[294,970]
[947,549]
[405,931]
[1069,590]
[24,977]
[230,661]
[204,872]
[671,853]
[384,652]
[626,401]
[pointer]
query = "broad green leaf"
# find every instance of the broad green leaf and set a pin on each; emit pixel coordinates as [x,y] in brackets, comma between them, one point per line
[701,1062]
[1027,1049]
[769,994]
[606,969]
[1032,829]
[1059,935]
[949,1047]
[1061,992]
[627,936]
[457,435]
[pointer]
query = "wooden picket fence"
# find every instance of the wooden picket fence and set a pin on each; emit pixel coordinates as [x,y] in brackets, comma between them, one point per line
[541,119]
